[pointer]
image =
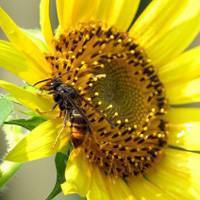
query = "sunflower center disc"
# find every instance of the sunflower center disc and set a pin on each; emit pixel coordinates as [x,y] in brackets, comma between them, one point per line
[112,72]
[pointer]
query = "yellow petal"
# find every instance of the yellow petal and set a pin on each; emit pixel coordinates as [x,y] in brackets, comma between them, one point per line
[73,11]
[119,189]
[174,42]
[78,174]
[99,186]
[156,19]
[23,42]
[184,126]
[177,39]
[185,136]
[45,22]
[39,143]
[178,175]
[143,189]
[183,92]
[37,37]
[183,115]
[27,98]
[85,179]
[183,68]
[60,4]
[117,13]
[15,62]
[166,29]
[108,187]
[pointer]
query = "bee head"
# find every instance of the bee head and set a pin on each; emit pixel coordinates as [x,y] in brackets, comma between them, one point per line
[54,83]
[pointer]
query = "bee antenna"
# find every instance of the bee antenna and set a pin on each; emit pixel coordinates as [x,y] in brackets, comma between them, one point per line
[59,76]
[44,80]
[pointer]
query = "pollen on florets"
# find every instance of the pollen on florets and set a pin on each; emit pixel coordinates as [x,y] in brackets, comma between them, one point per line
[111,71]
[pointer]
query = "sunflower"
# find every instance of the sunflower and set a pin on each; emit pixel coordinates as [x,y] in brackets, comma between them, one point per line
[130,79]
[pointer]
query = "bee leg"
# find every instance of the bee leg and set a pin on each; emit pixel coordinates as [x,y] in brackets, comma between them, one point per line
[54,106]
[42,112]
[57,138]
[45,112]
[60,114]
[61,130]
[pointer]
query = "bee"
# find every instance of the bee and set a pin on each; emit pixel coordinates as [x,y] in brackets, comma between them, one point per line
[69,101]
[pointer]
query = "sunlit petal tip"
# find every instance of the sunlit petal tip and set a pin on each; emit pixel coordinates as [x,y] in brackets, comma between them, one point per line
[39,143]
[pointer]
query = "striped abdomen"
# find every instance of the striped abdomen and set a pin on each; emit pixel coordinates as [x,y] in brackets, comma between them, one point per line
[79,129]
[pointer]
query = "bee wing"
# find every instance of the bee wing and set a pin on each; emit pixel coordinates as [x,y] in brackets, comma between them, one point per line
[80,111]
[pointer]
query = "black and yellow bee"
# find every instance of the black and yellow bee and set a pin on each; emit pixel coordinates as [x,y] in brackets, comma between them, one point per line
[69,101]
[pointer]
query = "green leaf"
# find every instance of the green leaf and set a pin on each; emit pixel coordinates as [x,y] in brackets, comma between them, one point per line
[5,108]
[60,161]
[27,123]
